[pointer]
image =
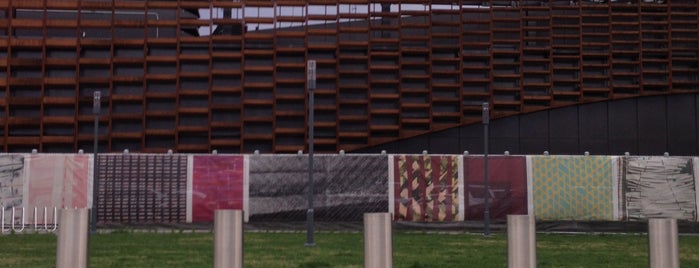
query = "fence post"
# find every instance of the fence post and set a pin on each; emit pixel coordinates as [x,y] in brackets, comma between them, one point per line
[228,238]
[378,240]
[663,243]
[521,241]
[71,251]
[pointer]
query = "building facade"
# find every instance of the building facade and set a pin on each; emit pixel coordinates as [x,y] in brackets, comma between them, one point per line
[196,76]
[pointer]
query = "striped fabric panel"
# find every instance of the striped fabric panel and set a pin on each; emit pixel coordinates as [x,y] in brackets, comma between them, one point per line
[426,188]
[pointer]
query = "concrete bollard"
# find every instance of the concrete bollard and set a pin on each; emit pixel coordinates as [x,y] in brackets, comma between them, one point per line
[663,243]
[71,250]
[378,240]
[228,238]
[521,241]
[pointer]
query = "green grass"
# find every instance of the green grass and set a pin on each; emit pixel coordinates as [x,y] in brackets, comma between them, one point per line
[132,249]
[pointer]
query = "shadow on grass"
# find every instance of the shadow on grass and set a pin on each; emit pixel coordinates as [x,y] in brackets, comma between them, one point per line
[314,264]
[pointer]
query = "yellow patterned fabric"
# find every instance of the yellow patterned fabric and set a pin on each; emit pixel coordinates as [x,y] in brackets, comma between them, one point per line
[572,188]
[426,188]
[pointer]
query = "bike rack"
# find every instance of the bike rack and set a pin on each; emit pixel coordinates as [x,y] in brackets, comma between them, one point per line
[55,220]
[2,222]
[21,222]
[15,226]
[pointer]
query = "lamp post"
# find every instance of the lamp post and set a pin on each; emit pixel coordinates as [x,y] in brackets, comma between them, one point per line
[486,212]
[311,75]
[95,181]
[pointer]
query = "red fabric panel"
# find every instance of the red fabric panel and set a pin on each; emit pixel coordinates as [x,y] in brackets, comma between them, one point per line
[507,184]
[217,184]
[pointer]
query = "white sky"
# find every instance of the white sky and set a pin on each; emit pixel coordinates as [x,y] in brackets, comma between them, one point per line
[300,11]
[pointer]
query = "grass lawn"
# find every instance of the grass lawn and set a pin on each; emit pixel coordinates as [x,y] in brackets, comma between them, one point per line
[135,249]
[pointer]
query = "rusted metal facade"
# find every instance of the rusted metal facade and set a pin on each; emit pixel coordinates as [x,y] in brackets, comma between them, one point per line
[194,76]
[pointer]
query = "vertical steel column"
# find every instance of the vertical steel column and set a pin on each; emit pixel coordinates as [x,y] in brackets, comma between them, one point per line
[486,195]
[311,75]
[663,243]
[378,240]
[521,241]
[71,249]
[228,238]
[95,173]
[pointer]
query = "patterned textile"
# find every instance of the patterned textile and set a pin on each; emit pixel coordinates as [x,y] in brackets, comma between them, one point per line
[572,187]
[217,183]
[426,188]
[142,188]
[11,181]
[507,186]
[660,187]
[344,188]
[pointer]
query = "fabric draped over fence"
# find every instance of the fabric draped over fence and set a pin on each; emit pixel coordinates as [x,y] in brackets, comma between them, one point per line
[344,188]
[11,181]
[660,187]
[165,189]
[142,188]
[427,188]
[576,188]
[217,183]
[507,186]
[58,180]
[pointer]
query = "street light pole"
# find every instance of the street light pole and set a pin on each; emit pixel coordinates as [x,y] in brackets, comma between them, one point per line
[311,75]
[95,181]
[486,212]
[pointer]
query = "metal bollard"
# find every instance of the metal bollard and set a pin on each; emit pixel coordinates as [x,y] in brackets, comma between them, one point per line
[521,241]
[663,243]
[532,241]
[228,238]
[378,240]
[71,251]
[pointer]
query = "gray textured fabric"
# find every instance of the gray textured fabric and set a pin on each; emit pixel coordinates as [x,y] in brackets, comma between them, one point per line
[345,187]
[11,180]
[659,187]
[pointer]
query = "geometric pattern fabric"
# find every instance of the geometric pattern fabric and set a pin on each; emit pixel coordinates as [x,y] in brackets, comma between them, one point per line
[426,188]
[572,188]
[142,188]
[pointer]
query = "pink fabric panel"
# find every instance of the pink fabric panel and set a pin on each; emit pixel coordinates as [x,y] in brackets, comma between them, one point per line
[58,181]
[75,181]
[217,184]
[44,177]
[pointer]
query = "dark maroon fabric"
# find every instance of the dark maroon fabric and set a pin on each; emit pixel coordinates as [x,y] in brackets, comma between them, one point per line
[507,184]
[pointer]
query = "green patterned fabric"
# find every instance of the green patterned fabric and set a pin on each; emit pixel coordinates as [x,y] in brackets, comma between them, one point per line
[572,188]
